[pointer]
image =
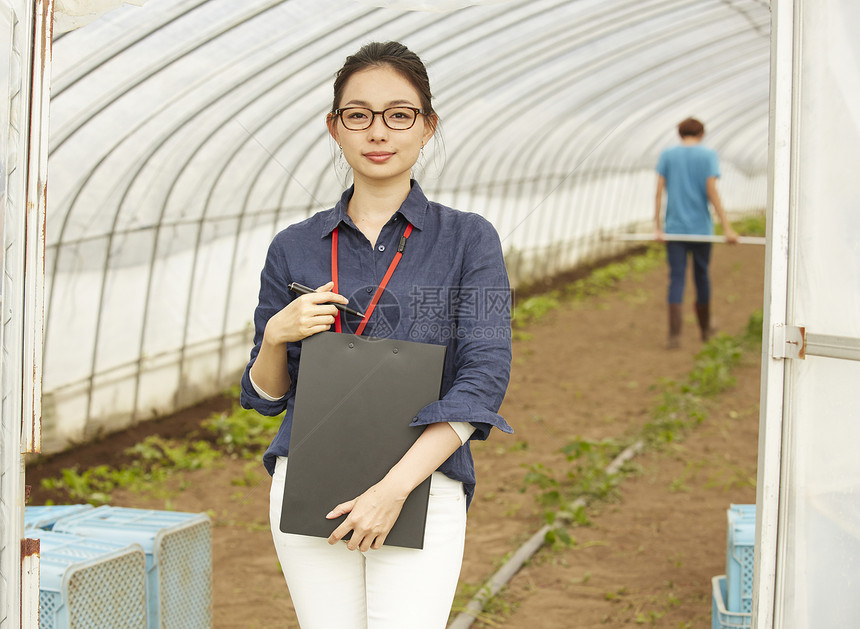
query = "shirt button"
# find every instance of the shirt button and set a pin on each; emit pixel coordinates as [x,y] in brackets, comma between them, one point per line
[382,247]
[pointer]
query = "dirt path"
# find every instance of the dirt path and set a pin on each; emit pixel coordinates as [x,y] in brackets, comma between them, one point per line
[588,370]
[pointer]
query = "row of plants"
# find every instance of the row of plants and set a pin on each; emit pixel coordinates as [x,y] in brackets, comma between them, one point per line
[680,408]
[599,281]
[239,433]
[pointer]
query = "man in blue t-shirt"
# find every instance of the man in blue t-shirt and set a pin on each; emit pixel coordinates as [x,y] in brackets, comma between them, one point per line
[688,173]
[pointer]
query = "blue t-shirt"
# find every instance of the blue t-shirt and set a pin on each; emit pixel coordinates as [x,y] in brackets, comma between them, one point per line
[686,169]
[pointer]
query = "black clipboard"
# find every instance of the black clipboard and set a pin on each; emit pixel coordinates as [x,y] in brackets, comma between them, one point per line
[355,399]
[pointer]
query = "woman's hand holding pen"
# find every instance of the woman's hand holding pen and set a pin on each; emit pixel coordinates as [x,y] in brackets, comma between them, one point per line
[371,516]
[304,316]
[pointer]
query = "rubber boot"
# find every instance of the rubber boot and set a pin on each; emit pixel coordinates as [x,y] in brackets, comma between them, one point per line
[703,314]
[674,341]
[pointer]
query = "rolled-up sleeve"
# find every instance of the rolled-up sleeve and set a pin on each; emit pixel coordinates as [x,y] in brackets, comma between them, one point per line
[481,344]
[274,296]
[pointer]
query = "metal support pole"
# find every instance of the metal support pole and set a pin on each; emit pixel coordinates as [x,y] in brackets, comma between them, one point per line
[742,240]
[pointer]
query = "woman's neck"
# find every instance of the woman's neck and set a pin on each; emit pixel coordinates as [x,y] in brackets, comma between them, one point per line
[372,205]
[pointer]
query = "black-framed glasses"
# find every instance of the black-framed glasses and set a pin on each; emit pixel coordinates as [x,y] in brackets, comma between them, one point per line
[395,118]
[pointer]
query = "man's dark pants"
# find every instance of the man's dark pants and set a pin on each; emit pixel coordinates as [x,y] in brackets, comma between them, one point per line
[676,253]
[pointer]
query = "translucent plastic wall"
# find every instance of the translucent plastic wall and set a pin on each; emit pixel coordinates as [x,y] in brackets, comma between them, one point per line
[186,133]
[809,556]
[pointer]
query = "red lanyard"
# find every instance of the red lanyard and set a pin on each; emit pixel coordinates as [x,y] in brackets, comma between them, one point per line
[379,289]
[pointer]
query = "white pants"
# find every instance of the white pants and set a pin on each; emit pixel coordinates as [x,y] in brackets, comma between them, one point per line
[388,588]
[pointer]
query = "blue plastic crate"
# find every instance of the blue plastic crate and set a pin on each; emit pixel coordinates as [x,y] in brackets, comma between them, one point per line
[721,618]
[45,517]
[742,512]
[89,584]
[178,549]
[740,557]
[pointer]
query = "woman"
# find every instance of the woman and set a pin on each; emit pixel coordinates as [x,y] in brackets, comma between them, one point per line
[449,287]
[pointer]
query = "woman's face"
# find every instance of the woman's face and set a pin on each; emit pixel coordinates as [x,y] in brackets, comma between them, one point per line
[379,154]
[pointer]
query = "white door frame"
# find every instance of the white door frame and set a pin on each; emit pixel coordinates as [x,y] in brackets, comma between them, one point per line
[21,296]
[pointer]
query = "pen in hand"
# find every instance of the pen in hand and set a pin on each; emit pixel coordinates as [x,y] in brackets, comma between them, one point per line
[304,290]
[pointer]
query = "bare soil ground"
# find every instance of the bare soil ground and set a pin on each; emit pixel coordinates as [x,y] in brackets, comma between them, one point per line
[590,369]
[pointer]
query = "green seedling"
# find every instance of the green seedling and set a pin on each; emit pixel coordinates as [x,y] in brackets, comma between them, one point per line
[241,431]
[682,407]
[153,460]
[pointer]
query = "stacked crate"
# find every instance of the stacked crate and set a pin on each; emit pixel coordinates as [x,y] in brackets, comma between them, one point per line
[45,517]
[732,592]
[178,549]
[173,551]
[89,584]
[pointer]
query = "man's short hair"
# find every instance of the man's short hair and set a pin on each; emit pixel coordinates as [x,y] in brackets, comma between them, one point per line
[691,128]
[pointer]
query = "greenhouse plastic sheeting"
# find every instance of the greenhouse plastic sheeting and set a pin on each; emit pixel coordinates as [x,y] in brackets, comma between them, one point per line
[186,133]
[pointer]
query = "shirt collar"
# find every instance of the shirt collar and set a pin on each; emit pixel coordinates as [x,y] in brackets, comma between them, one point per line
[413,209]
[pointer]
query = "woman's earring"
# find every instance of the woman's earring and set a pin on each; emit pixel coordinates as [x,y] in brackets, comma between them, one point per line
[422,163]
[341,161]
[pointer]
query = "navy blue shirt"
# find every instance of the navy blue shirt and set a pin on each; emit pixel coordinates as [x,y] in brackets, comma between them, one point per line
[450,288]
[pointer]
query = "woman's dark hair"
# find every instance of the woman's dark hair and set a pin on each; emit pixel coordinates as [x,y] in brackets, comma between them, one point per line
[690,128]
[392,54]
